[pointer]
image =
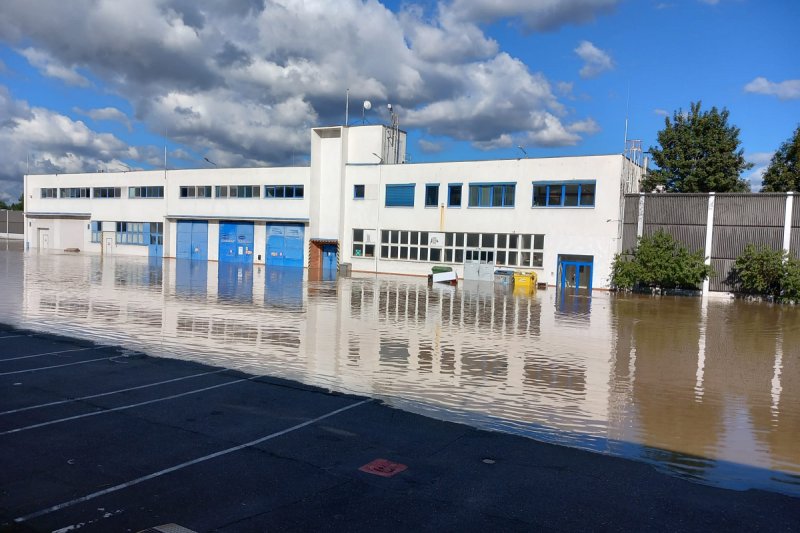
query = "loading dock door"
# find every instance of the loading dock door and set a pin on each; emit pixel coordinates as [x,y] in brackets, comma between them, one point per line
[236,242]
[285,244]
[192,240]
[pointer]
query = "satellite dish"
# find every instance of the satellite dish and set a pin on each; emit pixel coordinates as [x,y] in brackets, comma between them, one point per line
[367,105]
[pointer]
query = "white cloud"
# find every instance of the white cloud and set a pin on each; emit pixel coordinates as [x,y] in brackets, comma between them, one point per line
[430,147]
[595,61]
[761,162]
[242,81]
[106,113]
[52,68]
[539,15]
[661,112]
[785,90]
[588,126]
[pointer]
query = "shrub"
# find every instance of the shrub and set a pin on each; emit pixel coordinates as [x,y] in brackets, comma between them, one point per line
[658,261]
[764,271]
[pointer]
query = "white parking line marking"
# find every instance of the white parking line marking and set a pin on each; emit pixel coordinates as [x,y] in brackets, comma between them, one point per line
[183,465]
[59,366]
[21,409]
[123,407]
[50,353]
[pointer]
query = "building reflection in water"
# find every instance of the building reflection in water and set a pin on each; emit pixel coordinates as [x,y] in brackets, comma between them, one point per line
[708,390]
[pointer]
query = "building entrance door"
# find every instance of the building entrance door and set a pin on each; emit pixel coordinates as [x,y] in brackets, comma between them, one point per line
[44,238]
[575,274]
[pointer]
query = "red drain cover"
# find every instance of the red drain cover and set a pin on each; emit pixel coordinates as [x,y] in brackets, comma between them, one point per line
[383,468]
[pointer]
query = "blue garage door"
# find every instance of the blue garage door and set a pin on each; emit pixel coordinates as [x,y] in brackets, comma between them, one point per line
[192,240]
[285,244]
[236,242]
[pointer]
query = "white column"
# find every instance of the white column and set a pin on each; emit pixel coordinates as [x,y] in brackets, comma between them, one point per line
[709,238]
[640,220]
[787,222]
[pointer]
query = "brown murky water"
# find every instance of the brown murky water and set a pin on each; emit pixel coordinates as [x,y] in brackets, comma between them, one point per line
[705,389]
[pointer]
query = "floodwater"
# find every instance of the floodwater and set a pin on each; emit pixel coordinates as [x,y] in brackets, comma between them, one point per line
[708,390]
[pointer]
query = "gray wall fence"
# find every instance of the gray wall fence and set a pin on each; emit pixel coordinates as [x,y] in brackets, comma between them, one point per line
[12,222]
[733,221]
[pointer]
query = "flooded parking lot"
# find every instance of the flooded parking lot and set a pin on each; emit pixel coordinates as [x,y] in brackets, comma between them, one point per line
[708,390]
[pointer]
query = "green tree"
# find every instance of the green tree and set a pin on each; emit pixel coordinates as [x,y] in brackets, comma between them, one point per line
[659,261]
[762,270]
[19,205]
[698,152]
[783,173]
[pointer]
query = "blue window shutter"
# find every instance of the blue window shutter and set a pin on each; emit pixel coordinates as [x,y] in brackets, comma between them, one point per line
[400,195]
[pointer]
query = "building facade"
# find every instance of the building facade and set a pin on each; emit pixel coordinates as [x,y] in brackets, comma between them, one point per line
[358,202]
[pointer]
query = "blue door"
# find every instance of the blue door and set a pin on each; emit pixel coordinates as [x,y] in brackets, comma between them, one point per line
[576,276]
[330,263]
[192,241]
[236,242]
[285,245]
[156,230]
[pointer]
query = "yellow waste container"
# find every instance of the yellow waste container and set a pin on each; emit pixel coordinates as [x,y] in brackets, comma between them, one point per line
[525,280]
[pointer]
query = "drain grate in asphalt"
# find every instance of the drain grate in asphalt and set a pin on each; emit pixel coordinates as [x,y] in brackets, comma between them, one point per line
[383,468]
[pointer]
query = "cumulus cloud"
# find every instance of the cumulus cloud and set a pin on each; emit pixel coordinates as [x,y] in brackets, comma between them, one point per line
[52,68]
[39,140]
[785,90]
[595,61]
[539,15]
[588,126]
[760,162]
[240,82]
[430,147]
[106,114]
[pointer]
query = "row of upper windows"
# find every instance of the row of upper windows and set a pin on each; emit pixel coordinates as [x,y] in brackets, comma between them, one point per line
[545,194]
[189,191]
[138,233]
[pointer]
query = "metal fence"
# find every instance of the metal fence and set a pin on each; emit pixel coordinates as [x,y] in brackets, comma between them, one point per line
[735,220]
[12,223]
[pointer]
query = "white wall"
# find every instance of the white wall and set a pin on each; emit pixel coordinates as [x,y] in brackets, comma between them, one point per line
[578,230]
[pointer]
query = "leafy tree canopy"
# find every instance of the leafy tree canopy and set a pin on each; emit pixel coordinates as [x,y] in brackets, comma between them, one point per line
[783,173]
[18,206]
[698,152]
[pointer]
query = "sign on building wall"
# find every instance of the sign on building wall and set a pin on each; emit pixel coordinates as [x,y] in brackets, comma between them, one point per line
[436,239]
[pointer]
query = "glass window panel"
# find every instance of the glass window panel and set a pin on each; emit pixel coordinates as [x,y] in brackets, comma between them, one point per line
[423,238]
[358,235]
[487,240]
[299,191]
[385,235]
[538,259]
[369,250]
[587,193]
[413,253]
[454,196]
[395,236]
[448,239]
[502,239]
[431,195]
[403,252]
[554,197]
[526,242]
[423,254]
[473,240]
[414,237]
[571,194]
[358,191]
[539,195]
[394,252]
[525,259]
[486,196]
[501,257]
[448,256]
[512,258]
[474,193]
[497,195]
[435,254]
[384,251]
[459,256]
[459,239]
[508,195]
[403,237]
[513,239]
[538,242]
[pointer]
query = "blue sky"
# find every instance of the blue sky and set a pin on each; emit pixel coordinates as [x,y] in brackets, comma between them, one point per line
[88,86]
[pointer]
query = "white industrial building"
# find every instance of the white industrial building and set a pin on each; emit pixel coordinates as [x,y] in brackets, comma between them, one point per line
[357,202]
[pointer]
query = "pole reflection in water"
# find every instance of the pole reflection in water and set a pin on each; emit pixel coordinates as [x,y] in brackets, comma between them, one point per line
[708,390]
